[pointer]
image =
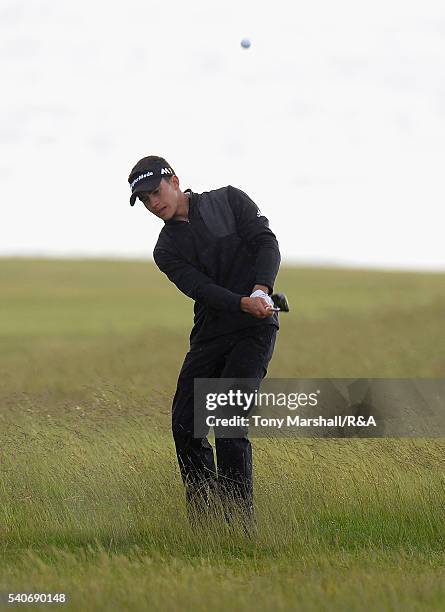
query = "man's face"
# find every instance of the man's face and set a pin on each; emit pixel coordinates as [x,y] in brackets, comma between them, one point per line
[163,201]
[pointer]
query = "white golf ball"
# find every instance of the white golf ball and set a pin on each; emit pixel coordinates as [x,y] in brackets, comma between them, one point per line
[245,43]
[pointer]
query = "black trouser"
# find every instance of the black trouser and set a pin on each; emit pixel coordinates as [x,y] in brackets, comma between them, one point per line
[244,354]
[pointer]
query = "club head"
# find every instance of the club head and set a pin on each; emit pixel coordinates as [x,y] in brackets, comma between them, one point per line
[280,301]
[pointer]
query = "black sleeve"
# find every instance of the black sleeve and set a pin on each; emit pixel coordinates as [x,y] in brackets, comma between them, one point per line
[194,283]
[254,228]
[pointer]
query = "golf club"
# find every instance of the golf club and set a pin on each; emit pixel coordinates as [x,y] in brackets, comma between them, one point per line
[280,301]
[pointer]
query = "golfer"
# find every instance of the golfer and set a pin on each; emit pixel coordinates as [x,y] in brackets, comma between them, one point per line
[217,248]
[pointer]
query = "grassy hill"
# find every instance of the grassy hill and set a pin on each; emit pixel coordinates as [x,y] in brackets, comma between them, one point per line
[91,502]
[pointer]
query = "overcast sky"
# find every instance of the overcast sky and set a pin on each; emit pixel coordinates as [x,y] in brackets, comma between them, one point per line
[333,122]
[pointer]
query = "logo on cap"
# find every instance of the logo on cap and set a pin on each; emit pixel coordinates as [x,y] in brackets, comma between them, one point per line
[140,177]
[162,171]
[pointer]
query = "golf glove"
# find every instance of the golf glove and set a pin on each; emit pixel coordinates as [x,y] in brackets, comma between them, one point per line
[260,293]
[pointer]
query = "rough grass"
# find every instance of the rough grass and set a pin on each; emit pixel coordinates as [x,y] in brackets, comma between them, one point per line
[91,502]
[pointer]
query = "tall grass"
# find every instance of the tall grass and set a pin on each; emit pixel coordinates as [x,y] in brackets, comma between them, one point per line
[91,502]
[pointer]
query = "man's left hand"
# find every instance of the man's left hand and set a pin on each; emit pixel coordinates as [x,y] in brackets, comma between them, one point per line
[260,293]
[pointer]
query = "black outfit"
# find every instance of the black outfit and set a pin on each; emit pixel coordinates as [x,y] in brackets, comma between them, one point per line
[216,258]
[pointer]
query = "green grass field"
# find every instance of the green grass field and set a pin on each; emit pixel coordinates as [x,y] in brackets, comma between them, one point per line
[91,502]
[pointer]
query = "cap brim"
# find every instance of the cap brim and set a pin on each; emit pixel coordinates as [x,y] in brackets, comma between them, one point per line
[149,184]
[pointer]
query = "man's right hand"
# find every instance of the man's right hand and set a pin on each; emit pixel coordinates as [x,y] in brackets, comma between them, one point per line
[256,306]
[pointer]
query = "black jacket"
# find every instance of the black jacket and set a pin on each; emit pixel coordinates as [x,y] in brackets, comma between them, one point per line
[217,256]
